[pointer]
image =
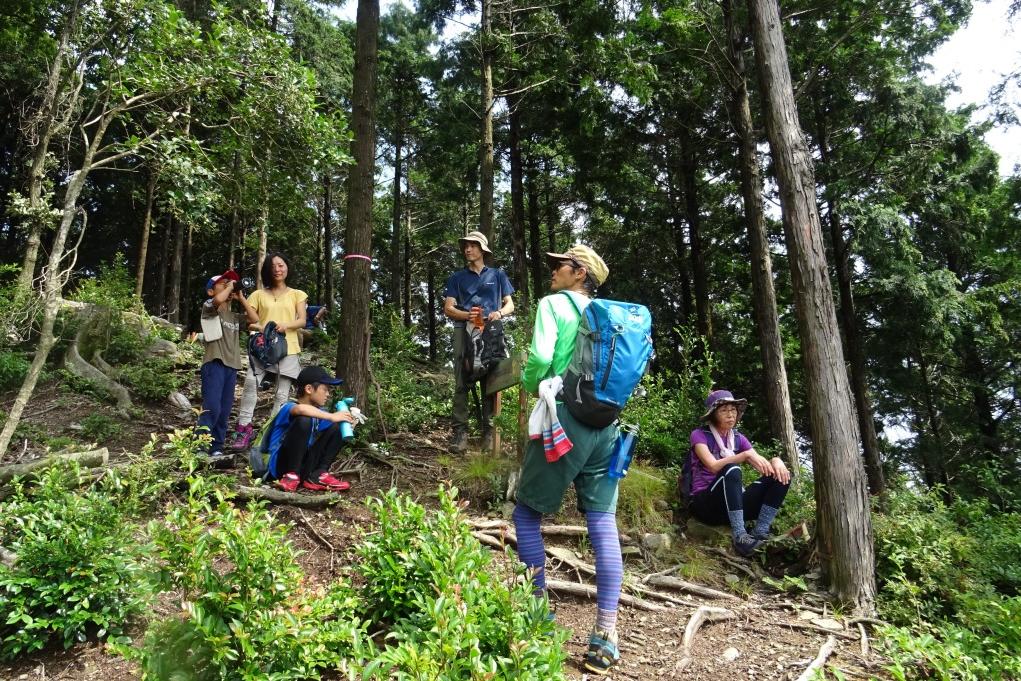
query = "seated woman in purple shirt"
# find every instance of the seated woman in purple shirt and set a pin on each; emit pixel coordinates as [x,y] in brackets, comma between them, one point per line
[717,495]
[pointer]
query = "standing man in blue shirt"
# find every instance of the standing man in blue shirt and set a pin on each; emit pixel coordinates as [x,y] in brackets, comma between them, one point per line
[474,286]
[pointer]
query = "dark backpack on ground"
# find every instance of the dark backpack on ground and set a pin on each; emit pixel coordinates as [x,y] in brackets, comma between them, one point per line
[483,349]
[269,346]
[611,353]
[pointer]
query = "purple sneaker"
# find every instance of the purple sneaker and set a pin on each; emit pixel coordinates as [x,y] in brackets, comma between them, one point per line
[245,435]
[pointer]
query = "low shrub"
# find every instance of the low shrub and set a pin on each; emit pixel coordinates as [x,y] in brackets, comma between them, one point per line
[80,385]
[451,613]
[13,369]
[100,427]
[152,380]
[77,568]
[483,477]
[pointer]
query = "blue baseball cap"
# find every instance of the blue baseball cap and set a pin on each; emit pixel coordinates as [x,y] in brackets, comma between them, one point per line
[229,274]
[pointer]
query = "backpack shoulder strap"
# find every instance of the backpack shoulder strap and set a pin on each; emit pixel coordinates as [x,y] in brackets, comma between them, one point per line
[574,302]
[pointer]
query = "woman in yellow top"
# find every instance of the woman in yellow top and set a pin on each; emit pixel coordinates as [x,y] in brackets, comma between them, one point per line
[275,302]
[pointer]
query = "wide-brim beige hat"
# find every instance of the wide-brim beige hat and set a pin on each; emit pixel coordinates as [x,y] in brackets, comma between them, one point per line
[581,254]
[477,237]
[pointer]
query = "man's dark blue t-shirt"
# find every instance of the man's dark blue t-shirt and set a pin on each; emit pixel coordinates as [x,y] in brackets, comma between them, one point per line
[486,289]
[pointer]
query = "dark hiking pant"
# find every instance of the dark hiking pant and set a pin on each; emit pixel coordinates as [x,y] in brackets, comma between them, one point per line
[218,381]
[463,386]
[307,454]
[726,494]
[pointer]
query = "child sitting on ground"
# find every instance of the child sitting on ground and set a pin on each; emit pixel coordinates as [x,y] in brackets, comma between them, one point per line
[304,439]
[221,328]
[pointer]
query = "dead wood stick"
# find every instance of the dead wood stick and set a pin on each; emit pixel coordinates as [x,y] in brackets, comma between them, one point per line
[702,615]
[818,629]
[661,573]
[314,531]
[864,641]
[590,592]
[651,593]
[697,589]
[824,652]
[555,530]
[729,560]
[90,459]
[486,524]
[276,496]
[868,620]
[490,540]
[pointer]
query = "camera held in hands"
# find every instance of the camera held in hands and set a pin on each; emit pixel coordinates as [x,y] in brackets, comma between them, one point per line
[246,285]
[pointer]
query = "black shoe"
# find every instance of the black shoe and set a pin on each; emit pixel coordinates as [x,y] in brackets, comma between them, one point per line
[459,442]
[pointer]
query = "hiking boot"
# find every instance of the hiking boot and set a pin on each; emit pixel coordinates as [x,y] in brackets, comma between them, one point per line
[459,442]
[602,652]
[289,483]
[332,483]
[245,435]
[488,440]
[746,544]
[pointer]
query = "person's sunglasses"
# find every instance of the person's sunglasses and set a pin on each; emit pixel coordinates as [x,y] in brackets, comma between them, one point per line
[560,263]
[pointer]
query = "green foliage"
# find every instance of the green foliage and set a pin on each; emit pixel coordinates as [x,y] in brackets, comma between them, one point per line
[670,407]
[408,401]
[638,494]
[100,427]
[949,579]
[247,611]
[153,379]
[13,368]
[113,287]
[452,615]
[77,565]
[482,477]
[81,385]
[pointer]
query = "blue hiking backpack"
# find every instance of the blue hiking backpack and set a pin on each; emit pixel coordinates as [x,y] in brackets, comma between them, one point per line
[611,353]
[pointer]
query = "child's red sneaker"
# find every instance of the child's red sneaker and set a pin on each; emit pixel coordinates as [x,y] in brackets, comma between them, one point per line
[333,483]
[289,483]
[312,485]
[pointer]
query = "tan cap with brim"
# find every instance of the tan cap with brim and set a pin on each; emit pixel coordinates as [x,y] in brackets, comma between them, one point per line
[477,237]
[583,255]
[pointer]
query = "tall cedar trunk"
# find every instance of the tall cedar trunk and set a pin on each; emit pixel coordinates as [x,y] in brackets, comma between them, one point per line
[551,217]
[486,162]
[692,213]
[934,457]
[263,220]
[53,281]
[776,390]
[328,241]
[353,346]
[317,248]
[430,301]
[849,323]
[44,131]
[844,523]
[407,270]
[177,260]
[160,297]
[680,243]
[534,246]
[186,306]
[235,215]
[518,205]
[143,243]
[395,234]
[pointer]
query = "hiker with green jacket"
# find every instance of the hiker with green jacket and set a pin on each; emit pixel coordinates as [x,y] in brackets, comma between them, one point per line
[572,453]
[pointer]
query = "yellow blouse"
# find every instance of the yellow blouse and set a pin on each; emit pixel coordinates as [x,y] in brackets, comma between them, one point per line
[280,309]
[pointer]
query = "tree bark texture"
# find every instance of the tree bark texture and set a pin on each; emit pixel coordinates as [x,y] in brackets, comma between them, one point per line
[518,206]
[143,243]
[776,390]
[328,241]
[486,162]
[353,346]
[844,523]
[692,213]
[177,259]
[534,235]
[431,307]
[407,271]
[395,236]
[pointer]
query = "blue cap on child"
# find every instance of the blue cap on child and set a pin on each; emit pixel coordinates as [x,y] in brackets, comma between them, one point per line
[229,274]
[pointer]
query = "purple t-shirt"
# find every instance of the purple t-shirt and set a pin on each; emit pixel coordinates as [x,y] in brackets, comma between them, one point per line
[701,478]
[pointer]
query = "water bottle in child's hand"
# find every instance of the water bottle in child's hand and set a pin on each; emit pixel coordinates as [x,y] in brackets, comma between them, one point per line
[347,431]
[623,451]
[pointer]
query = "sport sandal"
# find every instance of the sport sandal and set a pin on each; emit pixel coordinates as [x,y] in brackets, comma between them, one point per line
[602,652]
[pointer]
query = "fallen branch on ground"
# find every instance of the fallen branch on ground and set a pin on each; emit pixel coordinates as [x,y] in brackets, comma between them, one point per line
[820,630]
[824,652]
[276,496]
[550,530]
[590,592]
[697,589]
[864,640]
[702,615]
[90,459]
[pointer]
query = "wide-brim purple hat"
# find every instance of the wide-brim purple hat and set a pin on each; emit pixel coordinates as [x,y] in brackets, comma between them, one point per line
[718,398]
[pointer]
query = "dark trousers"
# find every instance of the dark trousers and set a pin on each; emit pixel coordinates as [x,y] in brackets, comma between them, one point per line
[307,454]
[218,381]
[726,493]
[463,386]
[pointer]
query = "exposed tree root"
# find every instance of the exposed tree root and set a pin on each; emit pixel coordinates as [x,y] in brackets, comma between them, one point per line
[689,587]
[276,496]
[824,652]
[84,356]
[702,615]
[90,459]
[590,592]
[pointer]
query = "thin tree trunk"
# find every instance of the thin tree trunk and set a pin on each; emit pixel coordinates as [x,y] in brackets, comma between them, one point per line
[328,241]
[680,243]
[160,305]
[692,213]
[395,235]
[143,246]
[353,346]
[47,126]
[431,305]
[55,275]
[486,162]
[518,206]
[407,270]
[534,236]
[778,398]
[235,215]
[186,280]
[177,255]
[844,523]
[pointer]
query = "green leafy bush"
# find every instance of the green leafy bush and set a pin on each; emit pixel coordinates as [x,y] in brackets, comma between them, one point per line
[450,612]
[639,491]
[77,565]
[247,611]
[152,380]
[82,386]
[13,369]
[100,427]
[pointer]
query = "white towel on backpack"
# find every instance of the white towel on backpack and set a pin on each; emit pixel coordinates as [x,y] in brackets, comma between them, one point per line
[545,410]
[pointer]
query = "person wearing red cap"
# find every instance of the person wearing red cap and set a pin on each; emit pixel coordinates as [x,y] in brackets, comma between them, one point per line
[221,333]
